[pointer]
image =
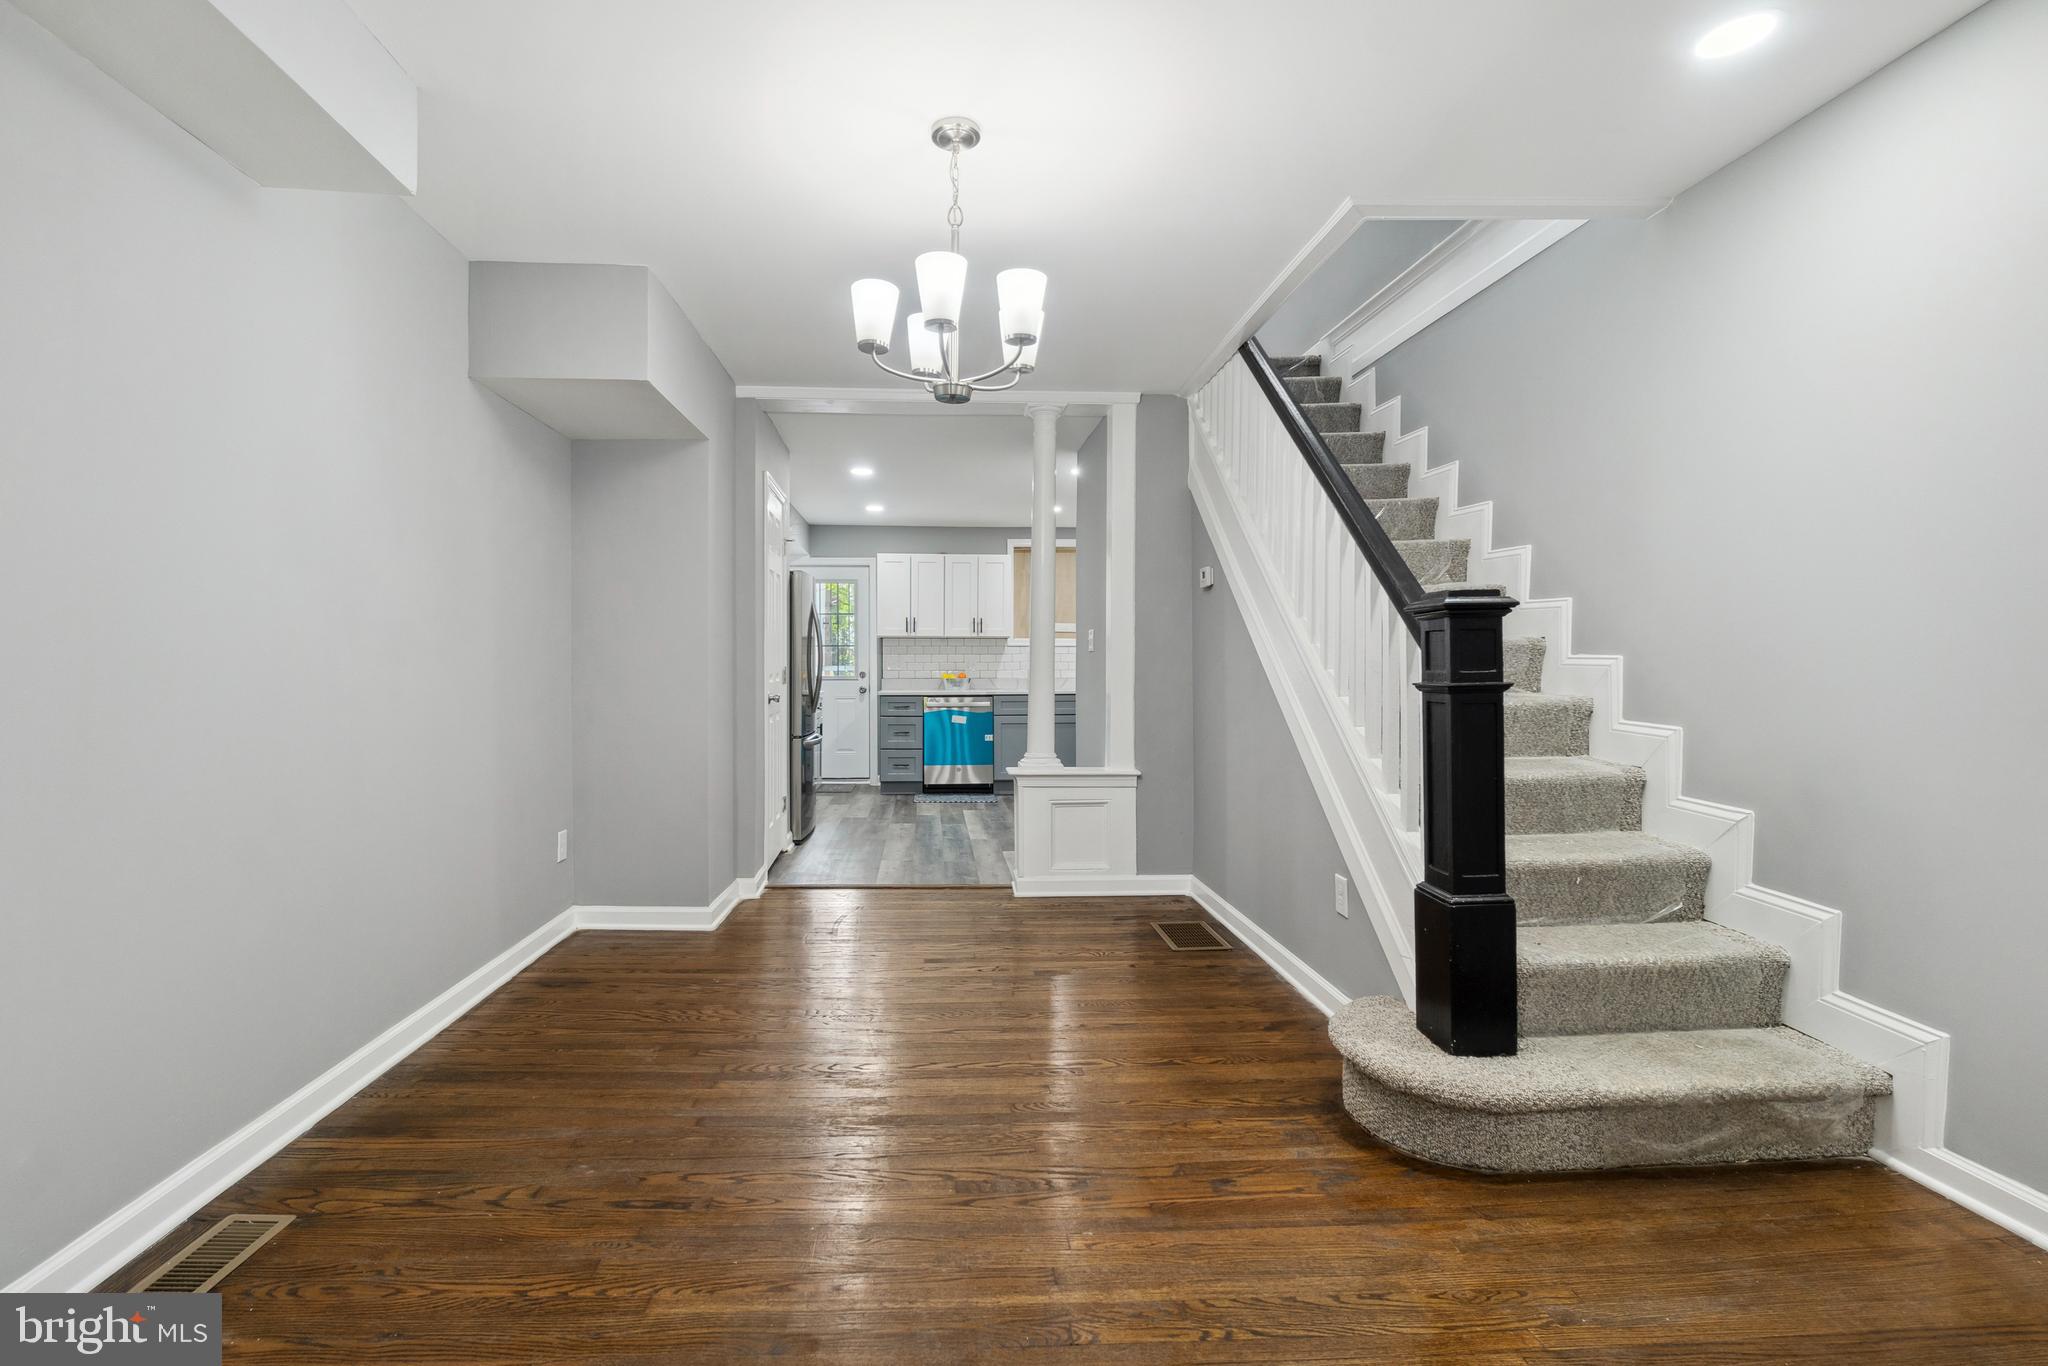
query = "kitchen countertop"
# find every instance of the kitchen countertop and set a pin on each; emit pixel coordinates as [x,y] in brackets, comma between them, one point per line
[898,691]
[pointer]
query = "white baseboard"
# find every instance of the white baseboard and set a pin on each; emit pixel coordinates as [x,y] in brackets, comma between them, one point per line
[128,1231]
[117,1239]
[1318,990]
[684,918]
[2012,1205]
[1134,884]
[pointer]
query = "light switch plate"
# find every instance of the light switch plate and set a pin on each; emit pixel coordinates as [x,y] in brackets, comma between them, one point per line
[1206,577]
[1343,897]
[561,846]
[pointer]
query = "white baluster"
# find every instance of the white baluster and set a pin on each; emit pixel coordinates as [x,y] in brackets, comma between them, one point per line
[1411,735]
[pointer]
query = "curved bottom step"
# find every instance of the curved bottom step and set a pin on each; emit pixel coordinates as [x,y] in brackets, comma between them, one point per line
[1588,1102]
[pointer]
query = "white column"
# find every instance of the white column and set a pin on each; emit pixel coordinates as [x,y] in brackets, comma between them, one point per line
[1120,618]
[1039,751]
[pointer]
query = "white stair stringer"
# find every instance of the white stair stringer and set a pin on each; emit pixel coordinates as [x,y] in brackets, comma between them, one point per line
[1384,858]
[1911,1121]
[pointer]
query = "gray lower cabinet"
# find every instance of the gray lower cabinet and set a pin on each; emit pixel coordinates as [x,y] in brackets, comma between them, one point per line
[1011,729]
[902,766]
[900,746]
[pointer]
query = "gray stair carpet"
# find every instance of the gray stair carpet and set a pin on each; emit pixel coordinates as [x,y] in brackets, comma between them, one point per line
[1522,657]
[1621,979]
[1575,1102]
[1649,1036]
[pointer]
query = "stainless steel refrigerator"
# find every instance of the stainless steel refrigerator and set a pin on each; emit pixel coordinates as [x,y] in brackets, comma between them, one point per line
[806,727]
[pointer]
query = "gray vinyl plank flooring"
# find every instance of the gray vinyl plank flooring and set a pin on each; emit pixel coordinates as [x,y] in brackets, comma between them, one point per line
[866,838]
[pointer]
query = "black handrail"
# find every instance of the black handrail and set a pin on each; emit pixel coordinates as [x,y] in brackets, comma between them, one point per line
[1465,985]
[1381,554]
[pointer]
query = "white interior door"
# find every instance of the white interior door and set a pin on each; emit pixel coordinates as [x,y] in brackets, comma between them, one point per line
[845,600]
[775,667]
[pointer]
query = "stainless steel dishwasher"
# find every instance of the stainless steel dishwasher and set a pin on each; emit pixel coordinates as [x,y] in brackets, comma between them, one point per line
[959,741]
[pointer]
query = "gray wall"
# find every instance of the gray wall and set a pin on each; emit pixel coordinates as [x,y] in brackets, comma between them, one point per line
[856,542]
[1367,262]
[285,600]
[1782,444]
[1261,839]
[1165,737]
[1091,583]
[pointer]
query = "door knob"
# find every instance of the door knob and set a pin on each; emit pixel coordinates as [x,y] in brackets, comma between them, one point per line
[863,689]
[775,697]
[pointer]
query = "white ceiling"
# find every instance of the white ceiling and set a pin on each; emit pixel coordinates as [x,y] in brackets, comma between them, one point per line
[950,470]
[1162,160]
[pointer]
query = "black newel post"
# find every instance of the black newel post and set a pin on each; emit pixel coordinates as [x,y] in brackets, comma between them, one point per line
[1464,917]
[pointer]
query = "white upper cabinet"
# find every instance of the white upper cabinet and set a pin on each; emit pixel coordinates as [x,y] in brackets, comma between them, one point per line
[928,595]
[963,595]
[892,594]
[994,612]
[942,595]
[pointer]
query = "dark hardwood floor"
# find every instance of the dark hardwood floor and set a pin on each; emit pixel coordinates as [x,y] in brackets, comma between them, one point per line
[938,1125]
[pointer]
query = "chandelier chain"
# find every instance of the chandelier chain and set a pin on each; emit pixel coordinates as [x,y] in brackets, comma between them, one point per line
[953,215]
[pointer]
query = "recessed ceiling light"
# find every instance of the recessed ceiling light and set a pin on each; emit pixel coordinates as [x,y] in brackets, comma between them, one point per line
[862,472]
[1737,35]
[874,507]
[1057,508]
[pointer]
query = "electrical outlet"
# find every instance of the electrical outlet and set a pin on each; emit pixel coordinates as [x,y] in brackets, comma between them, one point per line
[1343,897]
[1091,640]
[561,846]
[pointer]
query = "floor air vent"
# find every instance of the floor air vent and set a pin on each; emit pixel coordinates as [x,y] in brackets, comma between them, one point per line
[1189,934]
[205,1261]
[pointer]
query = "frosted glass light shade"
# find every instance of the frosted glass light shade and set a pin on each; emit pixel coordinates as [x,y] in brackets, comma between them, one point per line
[874,315]
[941,284]
[1020,303]
[926,355]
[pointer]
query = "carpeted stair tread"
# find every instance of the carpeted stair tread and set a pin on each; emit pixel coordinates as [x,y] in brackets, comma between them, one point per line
[1561,794]
[1357,448]
[1695,1067]
[1580,1102]
[1314,388]
[1332,417]
[1539,723]
[1522,657]
[1436,563]
[1405,519]
[1606,877]
[1296,365]
[1379,481]
[1464,586]
[1611,979]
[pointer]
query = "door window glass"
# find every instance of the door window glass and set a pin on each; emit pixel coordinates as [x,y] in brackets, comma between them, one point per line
[837,623]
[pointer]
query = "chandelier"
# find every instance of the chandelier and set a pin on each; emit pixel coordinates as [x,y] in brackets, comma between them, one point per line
[933,334]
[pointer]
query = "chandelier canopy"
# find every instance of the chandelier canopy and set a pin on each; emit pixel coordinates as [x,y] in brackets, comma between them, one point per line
[933,333]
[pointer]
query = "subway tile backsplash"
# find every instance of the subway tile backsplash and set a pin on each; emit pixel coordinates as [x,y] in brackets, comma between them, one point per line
[1001,665]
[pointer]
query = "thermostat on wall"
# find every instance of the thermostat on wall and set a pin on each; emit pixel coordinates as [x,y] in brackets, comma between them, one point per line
[1206,577]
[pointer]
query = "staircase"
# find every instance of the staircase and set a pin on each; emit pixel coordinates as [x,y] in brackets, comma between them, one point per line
[1648,1035]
